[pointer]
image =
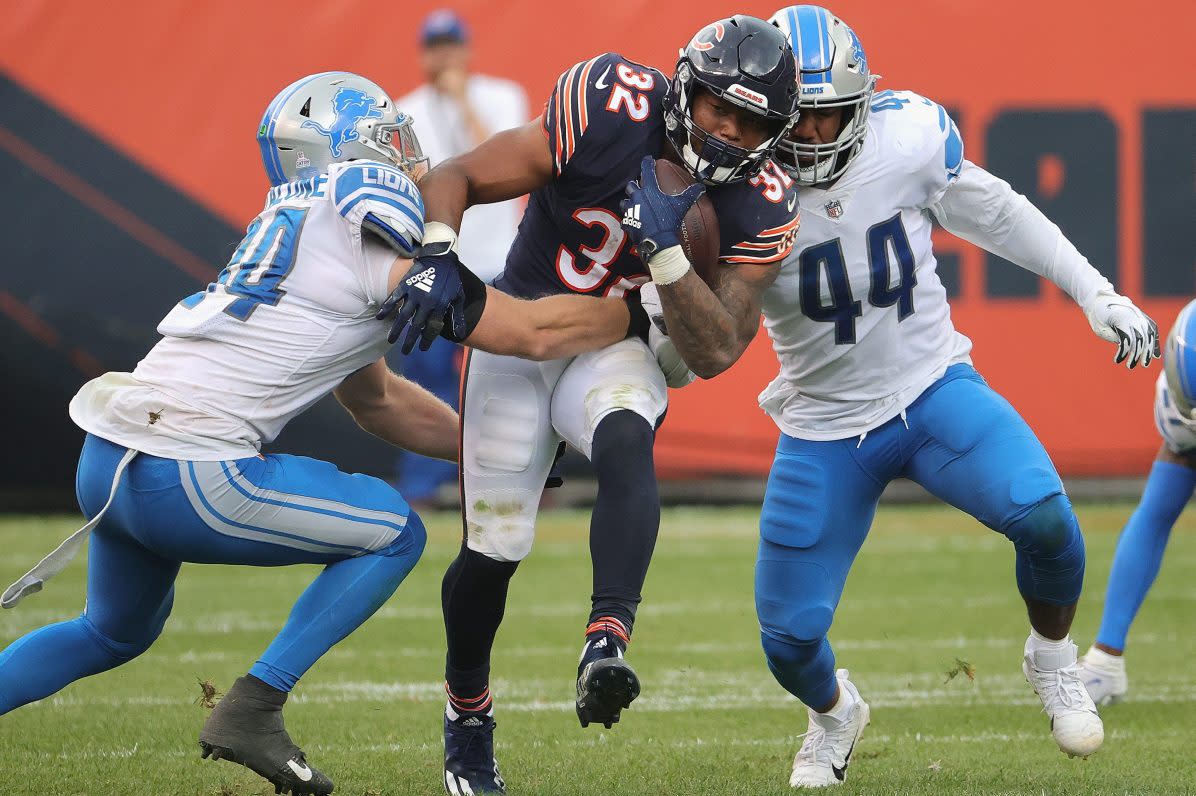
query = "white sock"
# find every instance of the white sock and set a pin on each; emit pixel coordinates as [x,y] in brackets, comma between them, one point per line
[842,709]
[1099,659]
[1049,654]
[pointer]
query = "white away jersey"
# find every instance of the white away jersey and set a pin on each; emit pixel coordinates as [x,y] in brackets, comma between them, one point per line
[858,316]
[1178,433]
[289,317]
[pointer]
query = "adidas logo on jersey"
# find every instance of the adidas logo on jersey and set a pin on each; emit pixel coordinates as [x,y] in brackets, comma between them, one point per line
[423,280]
[632,217]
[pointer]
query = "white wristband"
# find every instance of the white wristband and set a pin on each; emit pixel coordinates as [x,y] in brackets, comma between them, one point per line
[668,266]
[436,232]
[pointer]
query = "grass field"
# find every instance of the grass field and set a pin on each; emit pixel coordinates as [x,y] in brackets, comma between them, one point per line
[931,586]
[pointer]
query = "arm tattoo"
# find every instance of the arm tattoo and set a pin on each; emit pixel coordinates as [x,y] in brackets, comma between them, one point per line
[711,329]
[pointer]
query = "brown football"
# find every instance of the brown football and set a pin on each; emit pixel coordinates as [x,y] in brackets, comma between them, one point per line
[699,229]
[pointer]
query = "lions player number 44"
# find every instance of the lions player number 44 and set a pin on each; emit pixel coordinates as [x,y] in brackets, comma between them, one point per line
[842,310]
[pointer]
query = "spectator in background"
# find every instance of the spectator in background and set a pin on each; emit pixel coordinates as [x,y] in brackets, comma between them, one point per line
[455,111]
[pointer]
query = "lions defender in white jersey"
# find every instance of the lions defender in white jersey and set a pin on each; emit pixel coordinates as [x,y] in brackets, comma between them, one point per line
[171,471]
[876,383]
[1142,542]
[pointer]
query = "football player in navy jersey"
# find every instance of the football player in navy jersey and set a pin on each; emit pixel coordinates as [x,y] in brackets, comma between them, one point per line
[172,471]
[730,100]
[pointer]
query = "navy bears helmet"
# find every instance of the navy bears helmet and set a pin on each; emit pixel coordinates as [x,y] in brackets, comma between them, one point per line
[747,62]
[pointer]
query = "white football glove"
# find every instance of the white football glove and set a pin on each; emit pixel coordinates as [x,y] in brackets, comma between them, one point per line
[676,373]
[1115,318]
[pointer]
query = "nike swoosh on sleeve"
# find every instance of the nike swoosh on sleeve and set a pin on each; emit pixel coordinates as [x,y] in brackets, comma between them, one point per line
[601,82]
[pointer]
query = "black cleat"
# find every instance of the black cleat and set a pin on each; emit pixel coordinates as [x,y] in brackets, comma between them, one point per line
[604,687]
[246,727]
[469,764]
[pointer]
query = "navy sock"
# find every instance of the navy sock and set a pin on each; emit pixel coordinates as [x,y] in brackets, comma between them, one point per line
[473,597]
[626,517]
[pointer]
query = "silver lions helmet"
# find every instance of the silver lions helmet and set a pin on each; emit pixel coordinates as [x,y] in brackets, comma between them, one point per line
[832,72]
[1179,362]
[332,117]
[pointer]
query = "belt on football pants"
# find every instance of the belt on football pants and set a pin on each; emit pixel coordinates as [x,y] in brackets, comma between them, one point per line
[31,582]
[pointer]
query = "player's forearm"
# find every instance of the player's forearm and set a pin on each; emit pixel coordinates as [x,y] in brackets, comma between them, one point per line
[709,335]
[985,210]
[506,165]
[549,328]
[409,417]
[445,190]
[566,326]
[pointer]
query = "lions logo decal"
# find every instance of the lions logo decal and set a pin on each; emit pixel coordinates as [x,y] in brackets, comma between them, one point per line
[857,52]
[351,106]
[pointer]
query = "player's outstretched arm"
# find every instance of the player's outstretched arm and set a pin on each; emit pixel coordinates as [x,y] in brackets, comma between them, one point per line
[400,411]
[506,165]
[712,328]
[431,295]
[549,328]
[985,210]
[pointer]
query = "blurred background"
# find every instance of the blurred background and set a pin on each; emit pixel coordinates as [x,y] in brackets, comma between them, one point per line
[128,170]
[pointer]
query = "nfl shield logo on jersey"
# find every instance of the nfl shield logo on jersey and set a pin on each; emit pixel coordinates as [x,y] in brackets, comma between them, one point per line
[833,208]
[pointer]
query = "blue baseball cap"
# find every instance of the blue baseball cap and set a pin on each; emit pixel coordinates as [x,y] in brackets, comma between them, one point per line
[443,26]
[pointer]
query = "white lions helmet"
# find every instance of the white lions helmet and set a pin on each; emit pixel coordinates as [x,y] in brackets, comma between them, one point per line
[1179,362]
[832,72]
[332,117]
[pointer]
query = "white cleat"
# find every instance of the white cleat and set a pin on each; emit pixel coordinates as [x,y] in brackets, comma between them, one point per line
[1104,676]
[1055,677]
[823,757]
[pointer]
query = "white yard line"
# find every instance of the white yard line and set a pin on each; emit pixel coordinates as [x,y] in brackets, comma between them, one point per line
[683,692]
[601,739]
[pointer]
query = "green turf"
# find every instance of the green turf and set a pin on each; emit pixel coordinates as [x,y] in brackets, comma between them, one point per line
[930,586]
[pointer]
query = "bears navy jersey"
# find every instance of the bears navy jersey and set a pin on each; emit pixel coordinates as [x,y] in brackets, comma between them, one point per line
[604,115]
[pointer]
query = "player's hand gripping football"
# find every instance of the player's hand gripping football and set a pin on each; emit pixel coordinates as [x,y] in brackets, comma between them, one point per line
[430,295]
[652,217]
[1115,318]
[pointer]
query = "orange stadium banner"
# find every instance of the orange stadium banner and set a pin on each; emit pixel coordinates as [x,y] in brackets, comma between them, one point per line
[1095,123]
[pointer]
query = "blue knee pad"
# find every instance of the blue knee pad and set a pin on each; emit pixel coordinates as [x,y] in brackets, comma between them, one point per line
[801,667]
[410,544]
[797,651]
[341,597]
[1050,552]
